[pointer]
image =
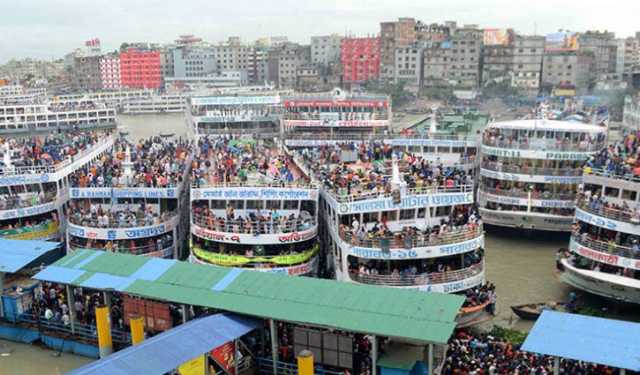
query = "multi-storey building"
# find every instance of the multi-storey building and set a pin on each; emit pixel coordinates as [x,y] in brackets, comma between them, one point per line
[285,61]
[603,46]
[85,73]
[167,69]
[360,59]
[465,55]
[394,34]
[140,68]
[408,65]
[630,58]
[631,115]
[110,72]
[567,68]
[527,62]
[435,71]
[497,61]
[325,49]
[194,61]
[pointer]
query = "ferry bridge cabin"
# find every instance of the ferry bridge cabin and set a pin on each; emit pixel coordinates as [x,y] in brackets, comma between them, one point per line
[531,169]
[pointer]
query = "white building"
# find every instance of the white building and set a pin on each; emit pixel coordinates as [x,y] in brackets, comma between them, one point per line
[325,49]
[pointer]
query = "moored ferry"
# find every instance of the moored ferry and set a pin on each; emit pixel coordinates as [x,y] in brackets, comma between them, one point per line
[132,200]
[530,170]
[252,208]
[604,252]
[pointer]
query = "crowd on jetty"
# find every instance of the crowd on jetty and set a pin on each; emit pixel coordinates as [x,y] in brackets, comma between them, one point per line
[619,159]
[226,161]
[47,150]
[151,162]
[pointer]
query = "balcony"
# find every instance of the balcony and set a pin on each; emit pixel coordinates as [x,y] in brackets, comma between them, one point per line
[537,171]
[628,216]
[401,241]
[148,250]
[420,279]
[545,195]
[543,144]
[254,227]
[125,223]
[362,195]
[606,248]
[13,202]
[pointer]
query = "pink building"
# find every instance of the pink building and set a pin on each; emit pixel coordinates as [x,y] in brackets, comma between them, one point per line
[360,59]
[110,72]
[140,69]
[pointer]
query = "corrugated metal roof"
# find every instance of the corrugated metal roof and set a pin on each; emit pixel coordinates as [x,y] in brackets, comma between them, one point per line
[16,254]
[167,351]
[584,338]
[401,313]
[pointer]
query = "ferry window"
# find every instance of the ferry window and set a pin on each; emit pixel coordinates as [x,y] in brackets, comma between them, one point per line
[421,213]
[273,205]
[309,206]
[290,205]
[629,195]
[592,188]
[124,201]
[237,204]
[390,216]
[430,149]
[149,201]
[370,217]
[415,149]
[218,205]
[457,150]
[611,192]
[443,211]
[254,205]
[407,214]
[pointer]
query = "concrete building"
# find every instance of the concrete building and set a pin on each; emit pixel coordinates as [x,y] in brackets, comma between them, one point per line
[360,58]
[110,72]
[567,69]
[631,114]
[497,63]
[325,49]
[290,57]
[436,64]
[194,61]
[258,65]
[85,73]
[528,53]
[603,46]
[629,56]
[408,66]
[140,68]
[466,53]
[394,35]
[167,68]
[309,78]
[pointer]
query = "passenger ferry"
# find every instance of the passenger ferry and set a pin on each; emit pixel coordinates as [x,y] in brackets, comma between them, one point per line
[164,103]
[393,214]
[252,208]
[35,171]
[132,199]
[530,171]
[604,252]
[249,115]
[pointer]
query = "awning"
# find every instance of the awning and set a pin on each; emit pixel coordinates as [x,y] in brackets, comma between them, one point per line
[16,254]
[167,351]
[583,338]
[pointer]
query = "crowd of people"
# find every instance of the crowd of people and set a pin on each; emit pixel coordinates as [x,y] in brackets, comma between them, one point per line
[596,202]
[522,139]
[71,106]
[231,161]
[253,222]
[483,354]
[372,115]
[235,113]
[481,294]
[621,158]
[366,168]
[97,216]
[155,162]
[47,150]
[134,246]
[13,201]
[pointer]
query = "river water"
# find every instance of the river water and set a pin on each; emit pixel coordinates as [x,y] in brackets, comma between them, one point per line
[521,265]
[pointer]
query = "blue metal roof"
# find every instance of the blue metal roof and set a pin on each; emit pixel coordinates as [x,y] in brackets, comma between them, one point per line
[584,338]
[16,254]
[167,351]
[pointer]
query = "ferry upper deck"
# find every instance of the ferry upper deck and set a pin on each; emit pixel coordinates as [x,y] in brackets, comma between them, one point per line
[131,199]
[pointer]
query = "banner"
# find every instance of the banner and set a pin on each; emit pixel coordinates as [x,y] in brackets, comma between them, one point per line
[235,100]
[121,233]
[416,252]
[110,193]
[251,193]
[611,259]
[337,123]
[336,103]
[29,211]
[195,366]
[412,201]
[561,41]
[32,233]
[224,356]
[239,260]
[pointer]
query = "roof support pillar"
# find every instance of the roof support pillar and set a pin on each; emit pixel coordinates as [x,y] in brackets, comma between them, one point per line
[184,314]
[430,359]
[71,301]
[374,355]
[623,371]
[236,350]
[273,332]
[556,366]
[1,293]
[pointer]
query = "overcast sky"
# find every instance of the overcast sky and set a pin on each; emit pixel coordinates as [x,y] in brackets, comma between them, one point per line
[51,28]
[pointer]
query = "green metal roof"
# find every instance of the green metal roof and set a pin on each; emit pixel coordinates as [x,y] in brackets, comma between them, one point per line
[400,313]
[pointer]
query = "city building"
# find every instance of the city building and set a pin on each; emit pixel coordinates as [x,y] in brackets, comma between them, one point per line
[497,56]
[435,71]
[465,55]
[140,68]
[629,57]
[603,46]
[110,72]
[393,35]
[325,49]
[567,69]
[167,68]
[527,62]
[360,59]
[631,114]
[194,61]
[85,74]
[284,62]
[408,66]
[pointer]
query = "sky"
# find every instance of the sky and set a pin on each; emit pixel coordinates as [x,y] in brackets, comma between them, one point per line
[51,28]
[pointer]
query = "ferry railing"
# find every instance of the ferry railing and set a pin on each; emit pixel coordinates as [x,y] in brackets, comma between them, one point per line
[253,226]
[607,247]
[302,116]
[115,223]
[538,171]
[544,144]
[603,173]
[137,250]
[361,196]
[628,216]
[524,194]
[42,169]
[404,241]
[420,279]
[265,367]
[11,202]
[198,184]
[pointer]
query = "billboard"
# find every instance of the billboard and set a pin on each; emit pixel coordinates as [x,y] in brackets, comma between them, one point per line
[561,41]
[498,37]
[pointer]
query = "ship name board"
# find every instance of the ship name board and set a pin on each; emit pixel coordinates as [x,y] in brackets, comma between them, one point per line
[385,204]
[255,193]
[110,193]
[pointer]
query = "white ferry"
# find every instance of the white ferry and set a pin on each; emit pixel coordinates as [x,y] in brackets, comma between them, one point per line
[530,171]
[257,116]
[604,252]
[131,199]
[253,208]
[164,103]
[34,176]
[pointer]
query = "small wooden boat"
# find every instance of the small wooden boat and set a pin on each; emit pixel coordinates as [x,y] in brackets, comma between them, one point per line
[532,311]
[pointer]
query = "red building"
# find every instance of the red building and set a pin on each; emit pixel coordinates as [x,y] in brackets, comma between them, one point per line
[140,69]
[360,59]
